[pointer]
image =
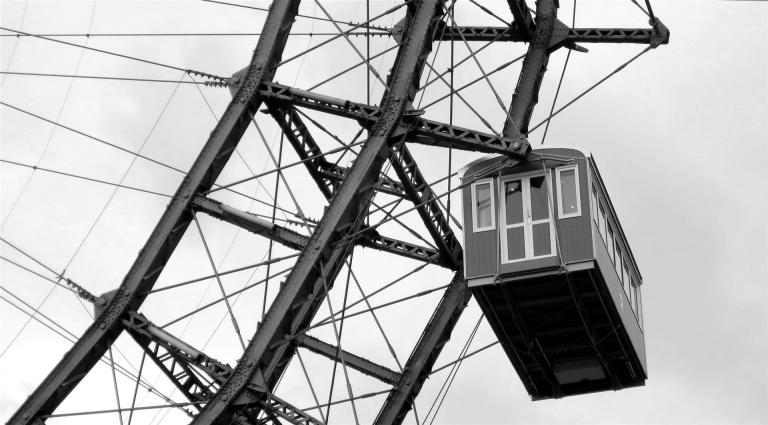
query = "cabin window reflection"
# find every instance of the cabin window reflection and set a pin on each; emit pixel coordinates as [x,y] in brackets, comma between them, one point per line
[632,292]
[601,223]
[620,270]
[639,299]
[610,245]
[483,205]
[593,204]
[568,194]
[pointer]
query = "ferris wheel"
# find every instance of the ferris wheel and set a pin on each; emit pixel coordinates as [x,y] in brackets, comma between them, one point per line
[330,285]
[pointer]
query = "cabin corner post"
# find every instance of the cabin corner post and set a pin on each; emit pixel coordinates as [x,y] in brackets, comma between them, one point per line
[305,288]
[534,66]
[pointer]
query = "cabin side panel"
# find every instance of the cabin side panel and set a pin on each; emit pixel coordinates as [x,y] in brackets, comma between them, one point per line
[480,247]
[620,298]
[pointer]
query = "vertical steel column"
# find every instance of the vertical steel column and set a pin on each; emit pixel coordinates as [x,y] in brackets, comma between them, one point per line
[268,353]
[521,16]
[169,230]
[534,66]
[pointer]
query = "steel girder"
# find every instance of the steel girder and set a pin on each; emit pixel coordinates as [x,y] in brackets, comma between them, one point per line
[420,130]
[421,194]
[169,230]
[522,17]
[328,176]
[198,376]
[563,35]
[268,353]
[534,66]
[440,326]
[295,240]
[352,361]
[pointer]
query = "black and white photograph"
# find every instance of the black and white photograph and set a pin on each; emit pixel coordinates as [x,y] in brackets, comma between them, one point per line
[387,212]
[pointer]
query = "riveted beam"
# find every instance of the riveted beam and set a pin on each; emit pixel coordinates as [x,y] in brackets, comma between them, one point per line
[522,17]
[196,375]
[534,66]
[420,130]
[352,361]
[563,36]
[327,176]
[151,260]
[269,351]
[295,240]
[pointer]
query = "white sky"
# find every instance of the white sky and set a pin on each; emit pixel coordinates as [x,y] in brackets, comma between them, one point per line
[679,136]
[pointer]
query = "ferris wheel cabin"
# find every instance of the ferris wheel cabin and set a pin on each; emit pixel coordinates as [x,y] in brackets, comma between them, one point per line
[549,264]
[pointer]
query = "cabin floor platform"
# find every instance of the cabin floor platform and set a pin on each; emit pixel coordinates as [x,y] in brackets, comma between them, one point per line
[562,332]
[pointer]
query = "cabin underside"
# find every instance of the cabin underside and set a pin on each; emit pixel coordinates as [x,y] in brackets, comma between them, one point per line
[562,333]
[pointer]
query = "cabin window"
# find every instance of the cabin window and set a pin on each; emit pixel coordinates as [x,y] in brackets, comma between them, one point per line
[483,206]
[610,245]
[593,205]
[639,298]
[568,193]
[619,269]
[632,293]
[527,231]
[601,224]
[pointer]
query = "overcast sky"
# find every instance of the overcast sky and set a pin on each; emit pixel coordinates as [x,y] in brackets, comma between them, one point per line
[680,138]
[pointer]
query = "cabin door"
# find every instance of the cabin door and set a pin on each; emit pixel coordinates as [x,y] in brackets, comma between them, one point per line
[526,218]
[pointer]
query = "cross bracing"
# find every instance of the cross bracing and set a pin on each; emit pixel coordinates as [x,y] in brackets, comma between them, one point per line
[245,393]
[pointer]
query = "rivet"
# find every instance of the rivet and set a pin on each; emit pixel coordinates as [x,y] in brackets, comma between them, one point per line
[102,325]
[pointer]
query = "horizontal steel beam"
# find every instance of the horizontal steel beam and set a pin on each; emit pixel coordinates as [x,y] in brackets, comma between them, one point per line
[422,130]
[563,35]
[250,222]
[295,240]
[350,360]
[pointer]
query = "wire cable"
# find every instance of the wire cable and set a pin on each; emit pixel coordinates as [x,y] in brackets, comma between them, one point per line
[379,32]
[63,104]
[95,180]
[592,87]
[316,18]
[99,77]
[560,82]
[16,43]
[124,56]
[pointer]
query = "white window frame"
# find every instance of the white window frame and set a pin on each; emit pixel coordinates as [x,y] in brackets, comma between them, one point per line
[475,227]
[560,213]
[527,223]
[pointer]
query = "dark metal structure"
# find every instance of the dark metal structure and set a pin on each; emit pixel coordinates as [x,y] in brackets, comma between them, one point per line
[244,393]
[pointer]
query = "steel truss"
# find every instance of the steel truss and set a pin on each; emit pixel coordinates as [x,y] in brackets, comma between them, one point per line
[244,394]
